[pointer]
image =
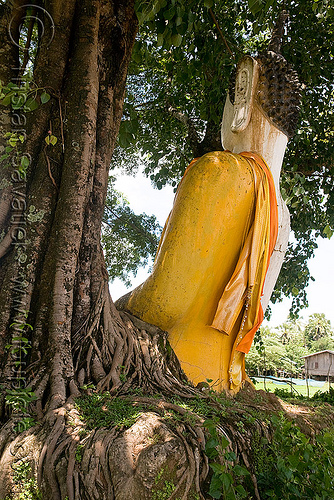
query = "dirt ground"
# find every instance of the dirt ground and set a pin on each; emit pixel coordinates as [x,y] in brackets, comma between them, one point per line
[311,416]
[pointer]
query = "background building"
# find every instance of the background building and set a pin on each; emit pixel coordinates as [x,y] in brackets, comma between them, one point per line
[320,364]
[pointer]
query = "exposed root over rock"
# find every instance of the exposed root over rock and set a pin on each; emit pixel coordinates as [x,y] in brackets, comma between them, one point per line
[158,452]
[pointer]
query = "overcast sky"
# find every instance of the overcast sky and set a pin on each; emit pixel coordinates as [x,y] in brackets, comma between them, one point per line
[143,198]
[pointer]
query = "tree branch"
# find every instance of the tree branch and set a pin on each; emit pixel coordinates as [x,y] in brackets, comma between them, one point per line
[278,32]
[212,138]
[192,132]
[221,33]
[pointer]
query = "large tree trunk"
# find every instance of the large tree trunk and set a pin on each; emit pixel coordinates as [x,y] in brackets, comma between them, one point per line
[56,274]
[62,280]
[59,330]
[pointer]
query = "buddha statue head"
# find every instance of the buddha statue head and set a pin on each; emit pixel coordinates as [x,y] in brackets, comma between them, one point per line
[262,106]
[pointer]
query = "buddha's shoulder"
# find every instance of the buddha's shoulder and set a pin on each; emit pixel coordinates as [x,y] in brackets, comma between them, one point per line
[224,157]
[231,163]
[218,170]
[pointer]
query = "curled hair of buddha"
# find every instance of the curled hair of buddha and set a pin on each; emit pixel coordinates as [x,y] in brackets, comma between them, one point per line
[279,91]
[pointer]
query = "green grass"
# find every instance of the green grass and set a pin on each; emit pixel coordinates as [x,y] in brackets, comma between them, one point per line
[301,389]
[102,410]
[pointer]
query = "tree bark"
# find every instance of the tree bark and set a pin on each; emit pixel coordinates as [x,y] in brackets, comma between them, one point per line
[84,69]
[59,329]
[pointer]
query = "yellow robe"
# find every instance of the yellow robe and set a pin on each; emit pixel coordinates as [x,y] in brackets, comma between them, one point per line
[209,271]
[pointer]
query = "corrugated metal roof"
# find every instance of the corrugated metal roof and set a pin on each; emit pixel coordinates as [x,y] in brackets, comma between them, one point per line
[319,352]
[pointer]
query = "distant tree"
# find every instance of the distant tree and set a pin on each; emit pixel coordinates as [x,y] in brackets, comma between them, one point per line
[266,358]
[318,332]
[289,329]
[129,240]
[323,344]
[281,348]
[295,350]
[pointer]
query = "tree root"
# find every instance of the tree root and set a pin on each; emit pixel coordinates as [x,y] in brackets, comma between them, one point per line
[117,352]
[165,445]
[113,346]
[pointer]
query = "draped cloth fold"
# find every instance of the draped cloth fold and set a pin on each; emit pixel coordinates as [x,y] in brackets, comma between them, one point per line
[242,294]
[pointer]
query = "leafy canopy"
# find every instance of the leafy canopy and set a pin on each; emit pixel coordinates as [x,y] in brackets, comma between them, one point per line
[129,240]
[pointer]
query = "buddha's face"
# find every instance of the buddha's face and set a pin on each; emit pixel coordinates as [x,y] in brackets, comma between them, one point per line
[266,94]
[237,116]
[243,98]
[246,127]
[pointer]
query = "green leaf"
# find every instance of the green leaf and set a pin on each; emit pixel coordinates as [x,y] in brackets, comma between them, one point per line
[45,97]
[224,442]
[160,40]
[169,14]
[230,455]
[216,487]
[183,28]
[18,101]
[328,439]
[239,470]
[328,231]
[241,490]
[226,479]
[53,140]
[6,101]
[24,424]
[211,443]
[25,162]
[294,460]
[176,40]
[21,339]
[31,104]
[208,4]
[254,6]
[217,468]
[12,141]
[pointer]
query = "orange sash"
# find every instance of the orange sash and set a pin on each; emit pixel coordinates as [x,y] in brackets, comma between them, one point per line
[243,291]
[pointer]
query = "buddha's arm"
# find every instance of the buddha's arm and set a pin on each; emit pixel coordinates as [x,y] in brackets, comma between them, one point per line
[278,254]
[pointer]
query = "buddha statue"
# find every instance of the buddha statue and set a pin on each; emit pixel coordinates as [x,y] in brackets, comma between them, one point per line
[224,241]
